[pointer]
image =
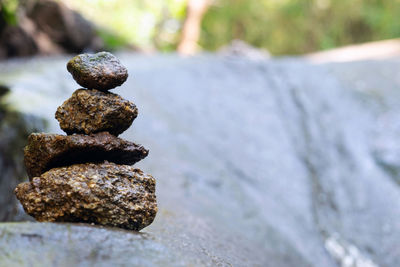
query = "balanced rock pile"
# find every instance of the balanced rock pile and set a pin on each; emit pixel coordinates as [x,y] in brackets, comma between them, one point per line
[85,176]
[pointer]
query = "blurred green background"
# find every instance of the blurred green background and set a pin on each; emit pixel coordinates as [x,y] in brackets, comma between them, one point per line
[280,26]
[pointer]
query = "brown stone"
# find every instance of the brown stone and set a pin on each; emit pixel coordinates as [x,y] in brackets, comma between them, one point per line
[105,194]
[101,71]
[92,111]
[46,151]
[63,26]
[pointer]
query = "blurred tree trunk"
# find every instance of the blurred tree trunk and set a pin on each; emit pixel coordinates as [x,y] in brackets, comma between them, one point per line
[192,26]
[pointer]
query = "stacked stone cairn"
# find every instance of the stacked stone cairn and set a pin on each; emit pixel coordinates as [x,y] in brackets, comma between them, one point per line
[85,176]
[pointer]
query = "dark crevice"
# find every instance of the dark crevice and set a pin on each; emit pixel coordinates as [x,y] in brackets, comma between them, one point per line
[80,156]
[391,170]
[305,154]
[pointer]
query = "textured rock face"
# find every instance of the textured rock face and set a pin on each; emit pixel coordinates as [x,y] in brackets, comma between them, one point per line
[46,151]
[306,189]
[82,245]
[106,194]
[92,111]
[101,71]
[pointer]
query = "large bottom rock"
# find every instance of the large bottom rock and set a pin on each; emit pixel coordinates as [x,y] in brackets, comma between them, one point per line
[106,194]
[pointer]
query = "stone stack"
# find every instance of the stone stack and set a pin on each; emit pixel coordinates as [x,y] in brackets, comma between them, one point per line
[85,176]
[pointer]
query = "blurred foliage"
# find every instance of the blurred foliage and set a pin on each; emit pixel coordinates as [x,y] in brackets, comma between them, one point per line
[300,26]
[280,26]
[8,11]
[112,40]
[147,24]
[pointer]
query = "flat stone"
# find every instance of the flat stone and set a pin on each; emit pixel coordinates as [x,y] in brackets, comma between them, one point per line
[46,151]
[80,245]
[101,71]
[92,111]
[105,193]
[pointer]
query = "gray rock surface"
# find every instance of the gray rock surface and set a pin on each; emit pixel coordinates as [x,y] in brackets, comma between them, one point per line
[84,245]
[14,129]
[267,163]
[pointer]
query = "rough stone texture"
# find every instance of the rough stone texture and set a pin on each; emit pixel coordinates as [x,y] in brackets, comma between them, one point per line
[92,111]
[270,163]
[46,151]
[105,194]
[101,71]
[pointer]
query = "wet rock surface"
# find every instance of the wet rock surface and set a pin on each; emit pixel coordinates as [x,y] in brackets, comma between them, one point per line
[105,194]
[314,185]
[92,111]
[45,151]
[101,71]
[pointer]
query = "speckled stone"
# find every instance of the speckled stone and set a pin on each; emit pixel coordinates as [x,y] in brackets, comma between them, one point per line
[46,151]
[101,71]
[105,194]
[92,111]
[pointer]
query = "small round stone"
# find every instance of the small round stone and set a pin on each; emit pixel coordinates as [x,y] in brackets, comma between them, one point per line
[105,194]
[101,71]
[93,111]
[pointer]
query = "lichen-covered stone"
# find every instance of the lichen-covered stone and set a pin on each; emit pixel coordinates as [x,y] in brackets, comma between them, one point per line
[46,151]
[101,71]
[92,111]
[105,194]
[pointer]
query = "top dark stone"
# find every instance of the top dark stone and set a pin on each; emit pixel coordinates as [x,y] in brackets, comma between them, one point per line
[101,71]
